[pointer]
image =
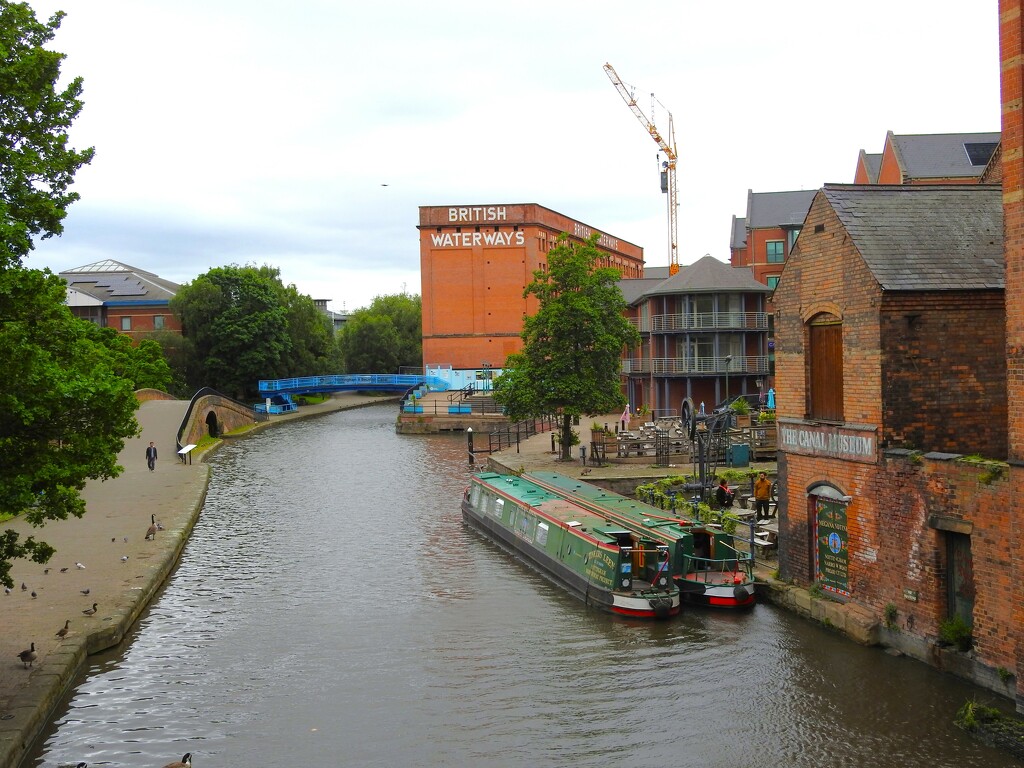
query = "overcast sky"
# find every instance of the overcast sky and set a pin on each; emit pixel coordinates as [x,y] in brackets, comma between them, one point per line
[253,132]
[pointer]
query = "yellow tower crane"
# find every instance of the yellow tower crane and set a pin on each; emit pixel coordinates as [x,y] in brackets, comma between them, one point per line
[668,172]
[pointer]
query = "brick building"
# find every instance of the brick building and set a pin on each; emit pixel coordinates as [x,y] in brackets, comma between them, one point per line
[704,335]
[475,262]
[764,238]
[115,295]
[891,369]
[937,158]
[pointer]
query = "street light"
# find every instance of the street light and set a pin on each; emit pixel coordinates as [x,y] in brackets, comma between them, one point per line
[728,360]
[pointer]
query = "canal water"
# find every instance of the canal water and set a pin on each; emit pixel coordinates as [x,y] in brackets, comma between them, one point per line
[331,609]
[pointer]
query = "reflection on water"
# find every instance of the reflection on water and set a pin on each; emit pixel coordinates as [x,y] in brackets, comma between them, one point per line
[331,609]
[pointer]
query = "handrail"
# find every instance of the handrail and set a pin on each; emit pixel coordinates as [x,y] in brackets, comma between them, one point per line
[462,394]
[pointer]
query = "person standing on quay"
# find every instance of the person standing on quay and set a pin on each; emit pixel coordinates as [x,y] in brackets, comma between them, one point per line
[151,456]
[762,496]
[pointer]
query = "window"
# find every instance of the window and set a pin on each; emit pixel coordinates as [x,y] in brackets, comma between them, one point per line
[126,323]
[825,388]
[773,281]
[158,322]
[791,236]
[776,251]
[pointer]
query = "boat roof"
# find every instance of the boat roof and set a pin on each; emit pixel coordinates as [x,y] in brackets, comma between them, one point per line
[642,514]
[553,507]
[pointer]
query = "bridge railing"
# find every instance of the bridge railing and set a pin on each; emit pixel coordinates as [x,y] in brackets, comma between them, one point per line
[350,381]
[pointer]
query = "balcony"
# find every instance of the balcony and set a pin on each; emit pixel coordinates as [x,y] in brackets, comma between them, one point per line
[696,366]
[703,321]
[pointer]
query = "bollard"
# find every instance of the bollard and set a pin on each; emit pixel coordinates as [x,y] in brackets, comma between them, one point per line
[469,438]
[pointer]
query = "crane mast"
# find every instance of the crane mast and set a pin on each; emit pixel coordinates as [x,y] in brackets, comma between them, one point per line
[668,166]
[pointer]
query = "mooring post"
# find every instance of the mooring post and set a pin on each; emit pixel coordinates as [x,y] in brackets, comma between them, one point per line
[469,439]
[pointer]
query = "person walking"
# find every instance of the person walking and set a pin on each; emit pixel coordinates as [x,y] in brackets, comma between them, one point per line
[151,456]
[762,497]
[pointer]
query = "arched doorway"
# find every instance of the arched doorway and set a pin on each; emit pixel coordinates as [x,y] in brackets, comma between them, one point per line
[212,428]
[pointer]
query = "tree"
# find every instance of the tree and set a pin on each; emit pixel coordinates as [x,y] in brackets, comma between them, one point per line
[144,366]
[237,327]
[383,337]
[572,347]
[309,330]
[36,165]
[64,409]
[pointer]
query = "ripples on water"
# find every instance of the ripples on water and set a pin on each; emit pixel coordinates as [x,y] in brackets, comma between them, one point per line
[331,609]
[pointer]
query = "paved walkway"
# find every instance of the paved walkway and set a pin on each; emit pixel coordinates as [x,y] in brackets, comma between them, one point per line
[118,513]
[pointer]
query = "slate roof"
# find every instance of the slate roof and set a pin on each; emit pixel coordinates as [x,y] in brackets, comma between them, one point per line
[927,237]
[941,155]
[778,209]
[738,238]
[709,275]
[872,165]
[112,281]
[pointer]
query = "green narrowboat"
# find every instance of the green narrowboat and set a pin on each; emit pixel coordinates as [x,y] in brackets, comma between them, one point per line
[703,559]
[608,566]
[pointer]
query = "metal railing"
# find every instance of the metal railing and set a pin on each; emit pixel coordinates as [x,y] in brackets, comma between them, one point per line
[702,321]
[682,366]
[513,434]
[475,405]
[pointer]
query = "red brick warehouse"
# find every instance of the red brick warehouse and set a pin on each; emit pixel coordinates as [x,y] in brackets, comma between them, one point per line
[475,262]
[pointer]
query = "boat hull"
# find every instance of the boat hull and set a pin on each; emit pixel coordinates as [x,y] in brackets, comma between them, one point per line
[661,606]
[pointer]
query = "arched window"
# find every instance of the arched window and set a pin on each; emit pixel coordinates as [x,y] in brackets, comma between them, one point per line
[825,368]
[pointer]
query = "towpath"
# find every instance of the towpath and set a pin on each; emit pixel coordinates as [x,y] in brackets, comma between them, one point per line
[106,553]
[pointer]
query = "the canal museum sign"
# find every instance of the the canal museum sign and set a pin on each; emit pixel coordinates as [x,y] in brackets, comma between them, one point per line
[853,443]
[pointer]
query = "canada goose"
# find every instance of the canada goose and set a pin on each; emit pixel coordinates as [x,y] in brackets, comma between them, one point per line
[28,656]
[151,531]
[64,632]
[185,762]
[90,611]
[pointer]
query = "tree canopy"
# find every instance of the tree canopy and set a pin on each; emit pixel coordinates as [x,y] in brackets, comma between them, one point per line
[384,337]
[36,165]
[241,324]
[65,407]
[572,347]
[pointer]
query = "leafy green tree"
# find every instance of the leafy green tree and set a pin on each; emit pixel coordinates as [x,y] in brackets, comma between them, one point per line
[369,343]
[65,410]
[36,165]
[237,327]
[309,331]
[384,337]
[144,365]
[572,347]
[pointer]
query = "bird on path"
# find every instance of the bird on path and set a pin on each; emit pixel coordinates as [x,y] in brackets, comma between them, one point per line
[79,565]
[85,591]
[185,762]
[124,558]
[64,632]
[23,587]
[90,611]
[7,590]
[63,570]
[28,656]
[151,531]
[585,472]
[34,595]
[46,571]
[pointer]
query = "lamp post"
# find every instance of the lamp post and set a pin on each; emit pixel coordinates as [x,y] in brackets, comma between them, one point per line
[728,361]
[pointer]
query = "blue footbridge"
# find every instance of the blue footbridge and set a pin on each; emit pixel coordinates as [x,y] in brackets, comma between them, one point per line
[279,394]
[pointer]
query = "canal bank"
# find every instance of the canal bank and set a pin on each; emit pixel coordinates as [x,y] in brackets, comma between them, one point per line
[105,559]
[853,621]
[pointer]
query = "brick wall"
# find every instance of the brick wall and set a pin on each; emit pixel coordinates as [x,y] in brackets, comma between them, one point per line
[944,372]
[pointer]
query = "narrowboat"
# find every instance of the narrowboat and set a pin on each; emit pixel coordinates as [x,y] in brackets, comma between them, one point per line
[703,559]
[613,568]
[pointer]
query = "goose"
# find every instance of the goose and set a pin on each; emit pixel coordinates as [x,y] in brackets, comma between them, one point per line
[28,656]
[185,762]
[90,611]
[64,632]
[151,531]
[85,591]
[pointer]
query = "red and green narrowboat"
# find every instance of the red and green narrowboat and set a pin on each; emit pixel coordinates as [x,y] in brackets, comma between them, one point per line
[703,559]
[610,567]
